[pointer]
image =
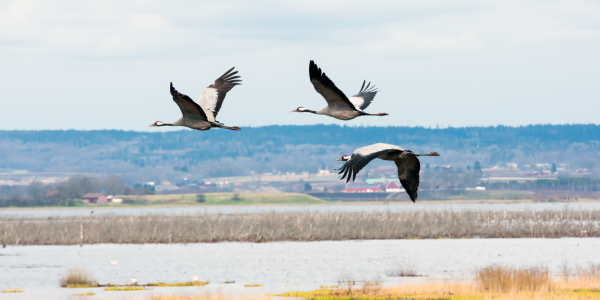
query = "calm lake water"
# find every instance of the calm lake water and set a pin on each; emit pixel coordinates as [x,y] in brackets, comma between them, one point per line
[281,266]
[293,208]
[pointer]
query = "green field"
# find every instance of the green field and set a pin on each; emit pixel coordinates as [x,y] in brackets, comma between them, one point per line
[220,199]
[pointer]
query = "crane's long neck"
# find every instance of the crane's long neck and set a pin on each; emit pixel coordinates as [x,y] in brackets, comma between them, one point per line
[310,111]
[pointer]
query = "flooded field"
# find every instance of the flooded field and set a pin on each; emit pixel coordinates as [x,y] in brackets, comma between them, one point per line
[62,212]
[279,266]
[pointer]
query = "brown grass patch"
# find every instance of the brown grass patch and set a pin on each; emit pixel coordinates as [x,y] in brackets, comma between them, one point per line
[492,282]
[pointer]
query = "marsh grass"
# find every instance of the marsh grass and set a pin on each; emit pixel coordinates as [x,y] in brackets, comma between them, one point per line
[300,226]
[11,291]
[510,283]
[204,296]
[189,283]
[78,278]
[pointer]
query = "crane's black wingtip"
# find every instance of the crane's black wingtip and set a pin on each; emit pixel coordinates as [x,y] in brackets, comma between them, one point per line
[413,197]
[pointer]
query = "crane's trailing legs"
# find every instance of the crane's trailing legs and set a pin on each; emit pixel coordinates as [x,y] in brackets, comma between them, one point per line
[379,114]
[225,127]
[429,154]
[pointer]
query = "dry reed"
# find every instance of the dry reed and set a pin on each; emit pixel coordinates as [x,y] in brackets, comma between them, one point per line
[78,278]
[402,270]
[300,226]
[510,280]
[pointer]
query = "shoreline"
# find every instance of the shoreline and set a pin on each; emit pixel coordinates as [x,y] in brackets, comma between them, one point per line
[326,203]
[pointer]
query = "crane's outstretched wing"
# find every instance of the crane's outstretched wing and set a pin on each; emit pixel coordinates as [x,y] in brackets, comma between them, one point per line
[362,156]
[365,96]
[212,97]
[188,107]
[408,173]
[324,86]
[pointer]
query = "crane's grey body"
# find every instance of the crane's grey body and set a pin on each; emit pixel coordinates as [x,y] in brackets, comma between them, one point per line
[342,113]
[193,123]
[203,117]
[406,161]
[338,105]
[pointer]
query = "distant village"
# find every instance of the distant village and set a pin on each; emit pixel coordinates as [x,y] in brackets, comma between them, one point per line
[378,180]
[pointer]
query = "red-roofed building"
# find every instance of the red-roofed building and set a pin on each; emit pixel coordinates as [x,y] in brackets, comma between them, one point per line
[393,186]
[94,198]
[363,188]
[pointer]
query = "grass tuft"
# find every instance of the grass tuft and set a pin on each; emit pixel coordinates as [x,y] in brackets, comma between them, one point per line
[402,270]
[509,280]
[78,278]
[253,285]
[8,291]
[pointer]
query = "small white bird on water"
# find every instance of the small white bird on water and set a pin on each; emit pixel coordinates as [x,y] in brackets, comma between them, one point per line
[338,105]
[203,116]
[407,162]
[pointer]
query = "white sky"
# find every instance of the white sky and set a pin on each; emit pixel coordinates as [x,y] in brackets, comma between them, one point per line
[108,64]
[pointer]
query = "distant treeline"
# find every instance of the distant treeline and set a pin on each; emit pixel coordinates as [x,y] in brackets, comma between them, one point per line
[156,156]
[579,184]
[452,137]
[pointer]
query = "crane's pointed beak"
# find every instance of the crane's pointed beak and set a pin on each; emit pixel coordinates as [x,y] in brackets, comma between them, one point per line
[295,110]
[339,159]
[152,125]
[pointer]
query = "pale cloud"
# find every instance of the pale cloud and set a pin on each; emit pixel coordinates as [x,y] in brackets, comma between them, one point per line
[507,60]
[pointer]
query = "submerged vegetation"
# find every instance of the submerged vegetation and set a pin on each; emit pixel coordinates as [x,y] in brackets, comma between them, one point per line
[10,291]
[85,294]
[75,275]
[189,283]
[124,288]
[78,278]
[298,226]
